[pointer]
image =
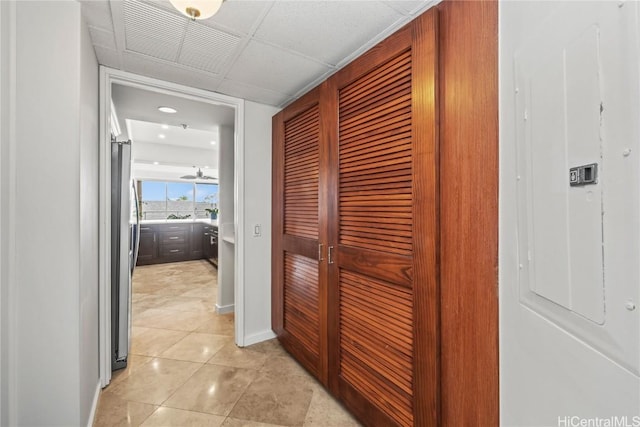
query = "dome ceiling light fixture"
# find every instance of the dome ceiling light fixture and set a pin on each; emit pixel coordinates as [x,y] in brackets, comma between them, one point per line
[197,9]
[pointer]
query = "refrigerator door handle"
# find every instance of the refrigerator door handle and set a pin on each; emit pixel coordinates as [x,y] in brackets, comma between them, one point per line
[137,238]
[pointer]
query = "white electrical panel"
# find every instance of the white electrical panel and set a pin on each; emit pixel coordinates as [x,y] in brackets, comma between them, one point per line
[570,103]
[562,130]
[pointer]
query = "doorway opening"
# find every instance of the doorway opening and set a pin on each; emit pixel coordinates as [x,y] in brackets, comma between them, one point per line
[184,170]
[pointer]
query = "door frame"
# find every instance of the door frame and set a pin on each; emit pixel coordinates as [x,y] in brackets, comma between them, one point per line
[109,76]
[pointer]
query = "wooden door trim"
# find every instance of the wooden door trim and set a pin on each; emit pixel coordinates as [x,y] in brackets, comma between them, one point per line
[277,223]
[426,211]
[469,212]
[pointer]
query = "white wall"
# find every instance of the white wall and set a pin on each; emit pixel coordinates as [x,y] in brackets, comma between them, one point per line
[553,362]
[226,221]
[257,210]
[53,357]
[5,52]
[89,210]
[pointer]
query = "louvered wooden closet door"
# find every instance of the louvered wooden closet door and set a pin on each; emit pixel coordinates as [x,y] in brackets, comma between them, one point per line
[296,242]
[383,291]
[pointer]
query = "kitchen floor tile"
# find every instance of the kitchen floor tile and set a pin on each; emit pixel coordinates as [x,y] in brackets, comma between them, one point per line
[325,411]
[176,417]
[282,366]
[196,347]
[115,411]
[235,422]
[213,389]
[275,400]
[271,347]
[173,316]
[232,355]
[134,362]
[151,341]
[220,324]
[155,381]
[168,319]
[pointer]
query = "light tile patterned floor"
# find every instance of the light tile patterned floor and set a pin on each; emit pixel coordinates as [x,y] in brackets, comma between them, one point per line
[185,370]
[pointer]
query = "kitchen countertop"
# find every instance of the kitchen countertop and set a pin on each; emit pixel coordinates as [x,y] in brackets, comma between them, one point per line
[207,221]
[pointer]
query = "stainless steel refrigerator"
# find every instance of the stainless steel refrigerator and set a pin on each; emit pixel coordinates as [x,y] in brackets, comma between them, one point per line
[125,237]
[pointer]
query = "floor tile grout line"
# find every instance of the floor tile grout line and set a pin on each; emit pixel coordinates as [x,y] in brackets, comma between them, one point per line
[186,335]
[180,386]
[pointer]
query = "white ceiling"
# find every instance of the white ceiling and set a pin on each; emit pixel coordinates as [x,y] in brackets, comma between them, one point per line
[265,51]
[139,104]
[157,133]
[175,154]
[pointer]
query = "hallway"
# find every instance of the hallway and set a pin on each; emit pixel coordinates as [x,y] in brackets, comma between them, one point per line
[185,370]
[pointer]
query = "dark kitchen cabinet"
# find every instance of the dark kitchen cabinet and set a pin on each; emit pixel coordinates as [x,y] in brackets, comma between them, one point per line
[196,243]
[210,244]
[174,242]
[148,250]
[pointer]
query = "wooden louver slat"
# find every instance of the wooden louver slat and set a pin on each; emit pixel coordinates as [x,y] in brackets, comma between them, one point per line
[375,166]
[301,314]
[375,206]
[301,174]
[376,342]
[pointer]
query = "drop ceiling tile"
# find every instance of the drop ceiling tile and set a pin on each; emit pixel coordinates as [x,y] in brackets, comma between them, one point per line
[235,16]
[176,73]
[102,38]
[207,48]
[108,57]
[251,93]
[325,30]
[411,7]
[153,31]
[97,13]
[274,69]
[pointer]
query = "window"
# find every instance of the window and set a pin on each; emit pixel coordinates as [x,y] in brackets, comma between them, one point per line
[206,198]
[176,200]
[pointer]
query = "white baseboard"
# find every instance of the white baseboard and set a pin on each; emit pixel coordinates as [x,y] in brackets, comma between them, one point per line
[224,309]
[94,405]
[259,337]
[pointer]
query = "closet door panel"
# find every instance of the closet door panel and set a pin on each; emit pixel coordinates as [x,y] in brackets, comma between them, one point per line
[382,267]
[298,318]
[375,216]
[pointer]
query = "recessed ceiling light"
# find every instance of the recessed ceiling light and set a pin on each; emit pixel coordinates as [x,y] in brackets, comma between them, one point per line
[156,163]
[161,136]
[167,110]
[213,143]
[165,126]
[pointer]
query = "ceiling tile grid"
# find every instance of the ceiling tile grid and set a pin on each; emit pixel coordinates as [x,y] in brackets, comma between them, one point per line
[106,56]
[263,51]
[152,31]
[176,73]
[325,30]
[102,38]
[97,14]
[245,91]
[277,69]
[207,48]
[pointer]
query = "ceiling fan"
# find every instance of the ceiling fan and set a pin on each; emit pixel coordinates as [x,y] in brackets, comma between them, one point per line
[198,175]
